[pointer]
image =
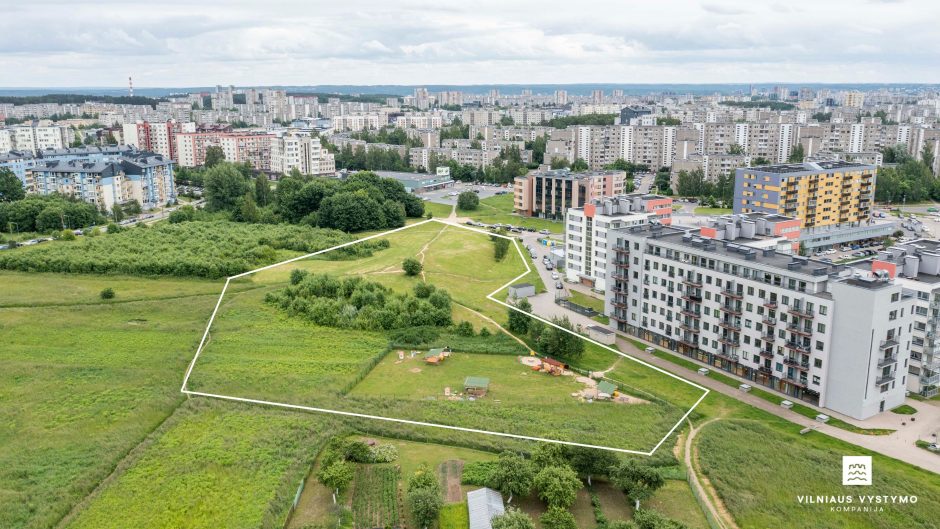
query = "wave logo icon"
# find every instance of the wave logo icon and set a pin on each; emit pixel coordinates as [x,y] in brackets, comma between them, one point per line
[856,470]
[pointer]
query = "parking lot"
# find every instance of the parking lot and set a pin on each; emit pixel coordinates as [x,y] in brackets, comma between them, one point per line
[448,195]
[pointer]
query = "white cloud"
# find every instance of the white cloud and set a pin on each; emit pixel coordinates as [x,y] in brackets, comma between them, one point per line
[180,43]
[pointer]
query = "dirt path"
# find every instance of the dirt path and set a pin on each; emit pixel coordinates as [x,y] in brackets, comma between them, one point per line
[701,484]
[424,248]
[611,368]
[494,322]
[450,472]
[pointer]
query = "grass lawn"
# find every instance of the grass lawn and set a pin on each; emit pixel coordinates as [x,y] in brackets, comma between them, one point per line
[454,516]
[82,386]
[702,210]
[585,300]
[216,464]
[498,210]
[438,211]
[676,501]
[748,462]
[904,409]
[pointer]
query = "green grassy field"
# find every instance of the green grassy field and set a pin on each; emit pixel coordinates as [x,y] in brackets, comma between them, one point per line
[439,211]
[498,210]
[216,464]
[585,300]
[84,384]
[702,210]
[749,481]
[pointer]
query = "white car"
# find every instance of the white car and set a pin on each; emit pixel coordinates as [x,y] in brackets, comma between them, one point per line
[554,275]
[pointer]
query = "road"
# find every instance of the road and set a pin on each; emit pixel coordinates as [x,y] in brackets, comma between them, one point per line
[442,196]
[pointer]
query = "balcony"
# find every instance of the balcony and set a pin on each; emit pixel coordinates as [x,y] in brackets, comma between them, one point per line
[768,336]
[886,344]
[799,364]
[731,309]
[686,326]
[621,250]
[728,355]
[765,370]
[767,320]
[729,341]
[688,342]
[770,304]
[803,331]
[732,293]
[766,354]
[619,277]
[690,313]
[888,360]
[884,379]
[796,381]
[930,380]
[618,303]
[730,325]
[692,282]
[691,298]
[793,346]
[802,313]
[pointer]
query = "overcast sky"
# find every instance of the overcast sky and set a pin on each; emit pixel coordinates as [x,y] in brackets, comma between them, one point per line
[201,43]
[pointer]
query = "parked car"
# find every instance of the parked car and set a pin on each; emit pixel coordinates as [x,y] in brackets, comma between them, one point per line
[558,285]
[554,275]
[549,266]
[544,232]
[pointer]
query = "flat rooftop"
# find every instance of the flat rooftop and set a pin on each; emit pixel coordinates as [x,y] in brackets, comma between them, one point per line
[807,167]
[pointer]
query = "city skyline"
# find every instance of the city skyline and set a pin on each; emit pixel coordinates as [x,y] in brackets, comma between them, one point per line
[366,43]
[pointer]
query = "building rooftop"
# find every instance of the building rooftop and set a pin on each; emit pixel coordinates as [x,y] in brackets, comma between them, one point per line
[807,167]
[566,173]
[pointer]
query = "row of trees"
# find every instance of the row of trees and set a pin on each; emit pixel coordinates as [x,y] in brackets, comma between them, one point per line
[44,214]
[907,179]
[360,159]
[390,135]
[693,184]
[549,340]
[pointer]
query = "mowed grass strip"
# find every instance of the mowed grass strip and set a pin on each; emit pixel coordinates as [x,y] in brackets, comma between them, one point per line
[218,464]
[498,209]
[82,386]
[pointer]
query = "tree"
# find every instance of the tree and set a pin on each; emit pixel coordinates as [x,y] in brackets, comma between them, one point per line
[506,121]
[337,476]
[735,148]
[412,266]
[759,161]
[262,190]
[351,212]
[591,461]
[637,480]
[559,163]
[468,201]
[557,486]
[248,210]
[117,213]
[579,166]
[549,455]
[519,321]
[500,245]
[512,519]
[513,476]
[132,207]
[558,518]
[927,156]
[559,342]
[11,189]
[214,156]
[424,496]
[797,154]
[225,188]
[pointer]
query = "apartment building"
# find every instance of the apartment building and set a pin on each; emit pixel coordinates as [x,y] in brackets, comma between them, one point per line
[300,152]
[239,147]
[586,231]
[157,137]
[104,182]
[32,138]
[818,193]
[916,266]
[358,122]
[729,296]
[549,194]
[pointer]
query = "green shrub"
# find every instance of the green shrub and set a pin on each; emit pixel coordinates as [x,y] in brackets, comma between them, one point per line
[412,266]
[478,473]
[67,235]
[107,293]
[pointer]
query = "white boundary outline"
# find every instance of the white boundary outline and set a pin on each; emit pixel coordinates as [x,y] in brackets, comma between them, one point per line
[489,296]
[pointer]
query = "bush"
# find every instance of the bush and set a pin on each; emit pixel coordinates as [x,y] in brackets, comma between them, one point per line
[383,453]
[414,336]
[412,266]
[67,235]
[115,228]
[464,328]
[558,518]
[468,201]
[107,293]
[478,473]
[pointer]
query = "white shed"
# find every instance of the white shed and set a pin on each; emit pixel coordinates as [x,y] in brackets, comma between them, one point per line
[484,505]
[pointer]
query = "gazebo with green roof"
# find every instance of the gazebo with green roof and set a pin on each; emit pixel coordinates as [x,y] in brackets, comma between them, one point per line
[476,386]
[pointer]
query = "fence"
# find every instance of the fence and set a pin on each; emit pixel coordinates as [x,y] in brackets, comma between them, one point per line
[582,310]
[713,523]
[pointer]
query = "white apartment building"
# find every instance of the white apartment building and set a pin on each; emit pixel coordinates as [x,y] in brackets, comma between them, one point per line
[723,295]
[303,153]
[32,139]
[358,122]
[586,232]
[916,266]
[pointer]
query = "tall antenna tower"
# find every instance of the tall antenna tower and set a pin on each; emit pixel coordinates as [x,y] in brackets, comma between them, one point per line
[130,86]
